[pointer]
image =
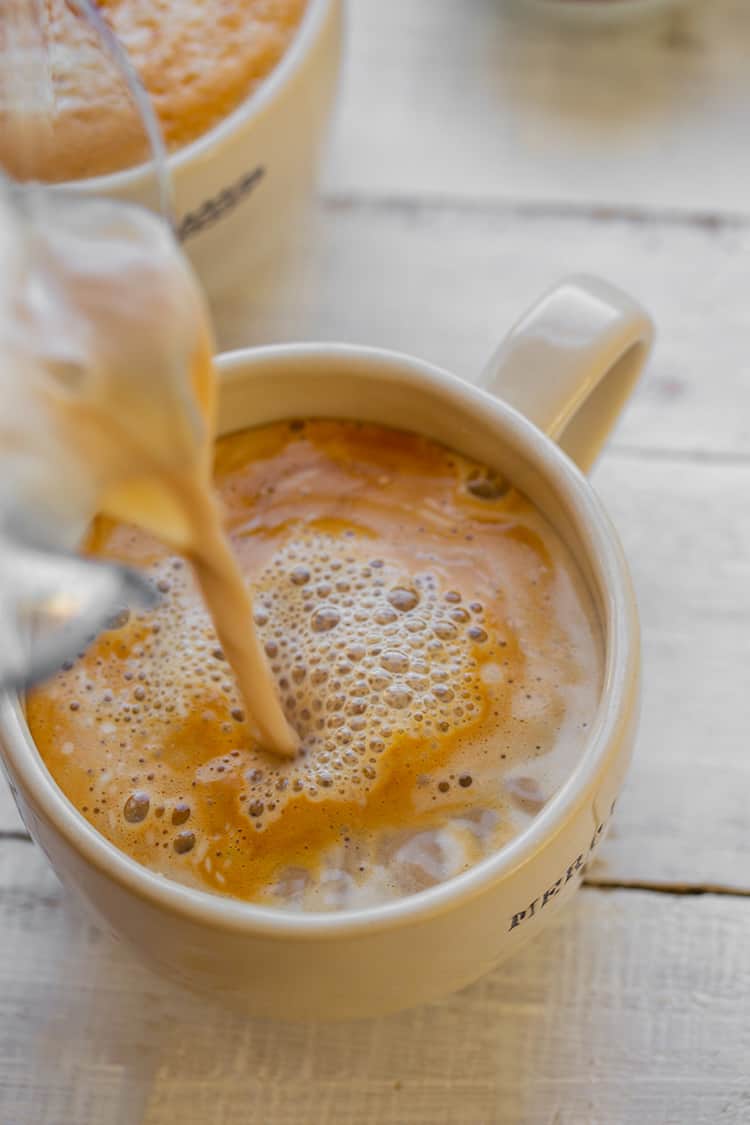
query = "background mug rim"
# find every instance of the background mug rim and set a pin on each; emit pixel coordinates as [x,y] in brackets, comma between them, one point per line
[199,149]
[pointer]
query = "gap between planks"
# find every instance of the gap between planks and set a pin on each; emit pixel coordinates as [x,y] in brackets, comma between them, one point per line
[705,220]
[676,889]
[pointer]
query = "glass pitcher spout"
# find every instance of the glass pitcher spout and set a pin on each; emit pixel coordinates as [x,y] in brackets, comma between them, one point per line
[52,605]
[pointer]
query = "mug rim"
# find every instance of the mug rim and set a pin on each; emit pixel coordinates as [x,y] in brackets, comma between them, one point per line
[251,106]
[621,635]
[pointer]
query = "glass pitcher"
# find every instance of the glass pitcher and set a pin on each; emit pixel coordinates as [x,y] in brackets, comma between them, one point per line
[59,363]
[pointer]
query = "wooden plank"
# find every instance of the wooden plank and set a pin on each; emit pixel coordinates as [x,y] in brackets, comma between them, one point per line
[446,284]
[683,816]
[438,100]
[633,1007]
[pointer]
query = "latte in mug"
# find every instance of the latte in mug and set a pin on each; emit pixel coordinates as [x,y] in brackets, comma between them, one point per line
[433,644]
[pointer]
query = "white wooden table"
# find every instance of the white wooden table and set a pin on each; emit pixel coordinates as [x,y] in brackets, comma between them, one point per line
[476,158]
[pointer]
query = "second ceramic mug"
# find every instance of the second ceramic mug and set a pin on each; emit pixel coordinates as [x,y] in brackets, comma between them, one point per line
[240,188]
[568,367]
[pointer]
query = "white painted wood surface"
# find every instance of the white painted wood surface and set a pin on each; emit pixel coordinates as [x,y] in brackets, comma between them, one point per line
[477,157]
[632,1007]
[478,102]
[445,281]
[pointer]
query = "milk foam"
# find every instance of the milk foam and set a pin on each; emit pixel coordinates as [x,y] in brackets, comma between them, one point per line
[362,653]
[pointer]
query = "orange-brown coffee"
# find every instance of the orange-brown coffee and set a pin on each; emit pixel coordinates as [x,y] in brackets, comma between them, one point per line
[198,61]
[433,644]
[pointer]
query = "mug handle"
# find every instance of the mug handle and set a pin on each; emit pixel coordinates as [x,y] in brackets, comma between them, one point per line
[571,362]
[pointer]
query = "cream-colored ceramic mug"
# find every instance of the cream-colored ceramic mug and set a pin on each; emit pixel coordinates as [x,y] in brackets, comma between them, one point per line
[569,366]
[240,188]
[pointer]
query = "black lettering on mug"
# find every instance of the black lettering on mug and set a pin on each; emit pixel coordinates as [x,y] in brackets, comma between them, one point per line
[597,836]
[569,872]
[213,209]
[576,865]
[551,891]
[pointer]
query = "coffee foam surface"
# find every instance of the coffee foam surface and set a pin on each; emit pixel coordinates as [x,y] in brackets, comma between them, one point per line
[433,646]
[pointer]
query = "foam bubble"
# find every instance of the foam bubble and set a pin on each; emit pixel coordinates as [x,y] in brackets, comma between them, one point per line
[136,807]
[184,842]
[353,669]
[403,598]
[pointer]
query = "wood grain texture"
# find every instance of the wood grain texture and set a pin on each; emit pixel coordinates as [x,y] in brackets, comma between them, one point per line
[683,817]
[482,102]
[632,1007]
